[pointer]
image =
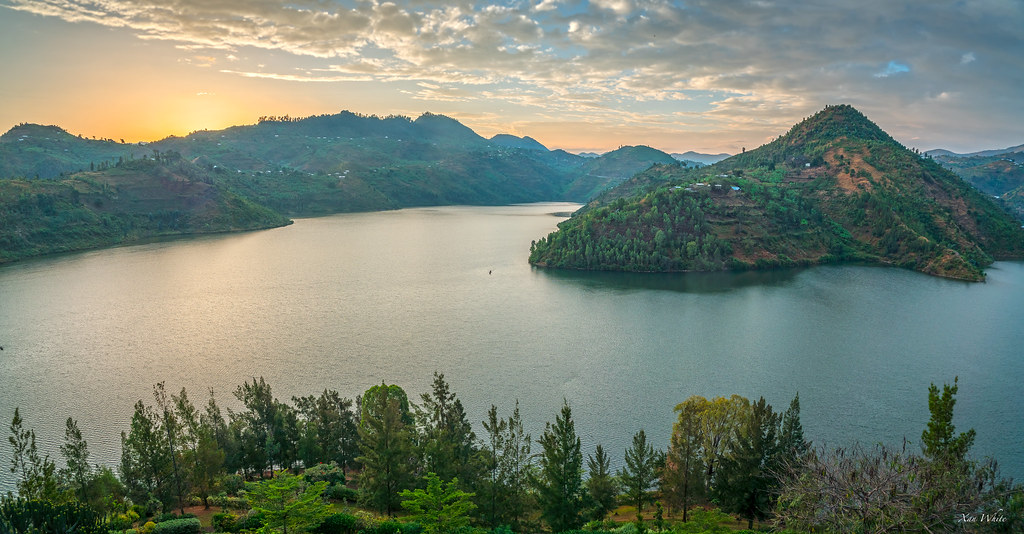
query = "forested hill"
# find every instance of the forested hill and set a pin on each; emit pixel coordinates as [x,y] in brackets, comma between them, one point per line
[834,188]
[346,161]
[135,200]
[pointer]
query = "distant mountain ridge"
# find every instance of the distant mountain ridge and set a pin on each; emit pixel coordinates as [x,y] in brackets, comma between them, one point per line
[834,188]
[981,153]
[706,159]
[285,166]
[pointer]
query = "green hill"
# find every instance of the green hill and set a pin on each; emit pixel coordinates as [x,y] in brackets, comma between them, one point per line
[133,201]
[610,169]
[835,188]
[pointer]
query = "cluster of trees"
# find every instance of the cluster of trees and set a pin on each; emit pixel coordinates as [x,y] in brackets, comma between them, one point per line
[423,461]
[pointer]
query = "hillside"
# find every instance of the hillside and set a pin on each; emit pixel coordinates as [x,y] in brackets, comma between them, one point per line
[1000,175]
[137,200]
[835,188]
[611,169]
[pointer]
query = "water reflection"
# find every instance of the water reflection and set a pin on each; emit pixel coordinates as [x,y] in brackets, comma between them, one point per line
[696,282]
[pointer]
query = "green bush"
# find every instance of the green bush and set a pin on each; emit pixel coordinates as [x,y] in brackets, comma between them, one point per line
[340,523]
[339,492]
[225,522]
[187,525]
[330,473]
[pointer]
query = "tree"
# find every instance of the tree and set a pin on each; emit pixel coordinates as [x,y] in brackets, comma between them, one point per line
[145,458]
[792,445]
[328,429]
[385,441]
[720,420]
[641,471]
[253,428]
[559,483]
[507,460]
[446,437]
[172,429]
[440,508]
[75,451]
[939,440]
[682,479]
[600,484]
[288,502]
[747,478]
[36,475]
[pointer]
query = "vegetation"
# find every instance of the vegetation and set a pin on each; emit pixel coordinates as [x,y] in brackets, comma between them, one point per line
[136,200]
[835,188]
[60,193]
[728,457]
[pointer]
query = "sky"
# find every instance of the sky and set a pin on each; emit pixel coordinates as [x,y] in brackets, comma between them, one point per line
[582,75]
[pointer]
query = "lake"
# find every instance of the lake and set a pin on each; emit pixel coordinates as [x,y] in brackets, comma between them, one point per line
[347,301]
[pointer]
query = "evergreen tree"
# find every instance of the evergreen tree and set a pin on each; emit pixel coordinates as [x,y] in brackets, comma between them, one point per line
[682,480]
[747,479]
[75,451]
[559,483]
[387,448]
[600,484]
[641,471]
[939,440]
[447,441]
[145,458]
[37,478]
[792,445]
[440,508]
[288,502]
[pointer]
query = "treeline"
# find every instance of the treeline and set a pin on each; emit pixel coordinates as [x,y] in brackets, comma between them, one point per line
[284,466]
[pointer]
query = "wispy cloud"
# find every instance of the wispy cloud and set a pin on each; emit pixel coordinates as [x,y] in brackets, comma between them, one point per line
[746,62]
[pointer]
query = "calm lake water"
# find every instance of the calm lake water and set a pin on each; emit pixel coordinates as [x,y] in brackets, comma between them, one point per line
[348,301]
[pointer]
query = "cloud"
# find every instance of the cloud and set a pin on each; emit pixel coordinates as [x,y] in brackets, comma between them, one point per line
[742,62]
[891,69]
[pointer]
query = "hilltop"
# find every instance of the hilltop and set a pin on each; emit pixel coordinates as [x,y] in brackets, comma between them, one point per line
[835,188]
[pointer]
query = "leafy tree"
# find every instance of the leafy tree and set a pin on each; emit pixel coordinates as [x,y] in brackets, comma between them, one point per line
[440,508]
[288,502]
[682,479]
[720,420]
[641,471]
[747,478]
[25,516]
[559,482]
[386,446]
[600,484]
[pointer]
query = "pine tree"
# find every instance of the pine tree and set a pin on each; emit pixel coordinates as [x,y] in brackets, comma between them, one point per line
[746,481]
[600,484]
[641,471]
[939,440]
[75,451]
[559,483]
[385,441]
